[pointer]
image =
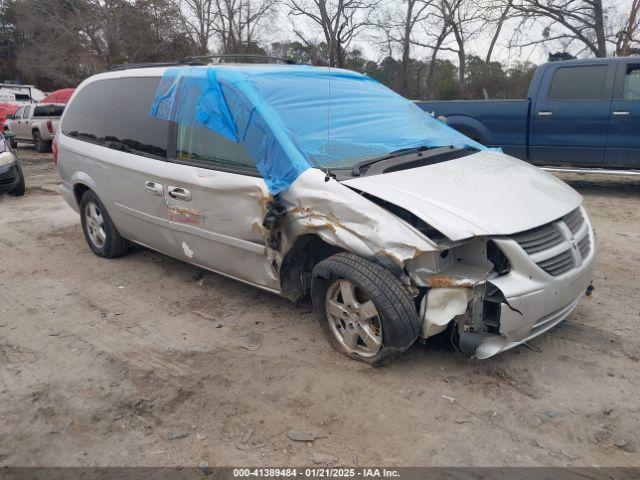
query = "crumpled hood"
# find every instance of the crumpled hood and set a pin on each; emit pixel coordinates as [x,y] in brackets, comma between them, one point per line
[487,193]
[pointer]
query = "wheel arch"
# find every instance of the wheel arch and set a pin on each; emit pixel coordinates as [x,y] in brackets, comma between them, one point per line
[81,182]
[298,262]
[470,127]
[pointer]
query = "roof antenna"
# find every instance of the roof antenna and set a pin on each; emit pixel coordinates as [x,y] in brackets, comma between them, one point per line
[328,172]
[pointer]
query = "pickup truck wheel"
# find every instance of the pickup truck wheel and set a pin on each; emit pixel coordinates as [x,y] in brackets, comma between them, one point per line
[99,231]
[20,189]
[363,309]
[42,146]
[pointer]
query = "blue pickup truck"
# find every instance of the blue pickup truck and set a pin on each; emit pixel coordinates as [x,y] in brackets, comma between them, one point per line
[578,113]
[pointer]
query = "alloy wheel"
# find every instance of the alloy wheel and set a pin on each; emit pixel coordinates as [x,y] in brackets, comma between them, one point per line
[94,222]
[353,318]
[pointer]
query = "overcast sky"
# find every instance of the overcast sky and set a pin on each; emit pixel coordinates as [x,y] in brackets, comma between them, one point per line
[536,54]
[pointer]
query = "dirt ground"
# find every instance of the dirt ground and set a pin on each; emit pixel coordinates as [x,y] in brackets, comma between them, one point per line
[145,360]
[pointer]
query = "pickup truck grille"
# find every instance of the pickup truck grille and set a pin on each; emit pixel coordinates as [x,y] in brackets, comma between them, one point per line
[559,246]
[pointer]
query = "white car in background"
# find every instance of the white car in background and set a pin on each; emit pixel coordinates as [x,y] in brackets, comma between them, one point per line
[35,123]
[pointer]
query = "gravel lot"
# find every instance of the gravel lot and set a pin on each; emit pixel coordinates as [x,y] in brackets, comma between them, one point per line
[145,360]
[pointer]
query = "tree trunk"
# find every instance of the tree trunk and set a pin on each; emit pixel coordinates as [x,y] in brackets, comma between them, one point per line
[492,45]
[406,48]
[599,28]
[432,62]
[461,54]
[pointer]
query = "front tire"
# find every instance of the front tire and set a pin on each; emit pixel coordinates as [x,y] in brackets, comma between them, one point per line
[99,231]
[20,189]
[363,309]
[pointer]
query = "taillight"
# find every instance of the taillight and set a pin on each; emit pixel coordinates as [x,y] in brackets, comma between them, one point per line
[54,149]
[50,126]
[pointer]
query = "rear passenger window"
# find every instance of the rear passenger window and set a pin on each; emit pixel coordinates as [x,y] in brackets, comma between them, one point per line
[199,145]
[115,114]
[579,83]
[631,90]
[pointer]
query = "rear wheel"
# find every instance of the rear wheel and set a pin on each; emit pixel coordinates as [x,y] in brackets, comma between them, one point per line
[363,309]
[41,145]
[99,231]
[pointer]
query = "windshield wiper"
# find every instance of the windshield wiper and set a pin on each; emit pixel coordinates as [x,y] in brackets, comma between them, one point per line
[386,156]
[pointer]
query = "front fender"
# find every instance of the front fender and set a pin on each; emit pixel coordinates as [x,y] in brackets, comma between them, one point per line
[345,219]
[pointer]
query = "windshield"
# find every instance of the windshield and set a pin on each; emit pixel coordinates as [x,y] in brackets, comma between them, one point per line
[340,120]
[290,118]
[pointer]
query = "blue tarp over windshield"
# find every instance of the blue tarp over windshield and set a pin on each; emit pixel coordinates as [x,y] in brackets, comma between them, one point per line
[294,117]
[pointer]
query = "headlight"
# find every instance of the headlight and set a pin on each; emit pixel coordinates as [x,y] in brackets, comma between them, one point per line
[7,158]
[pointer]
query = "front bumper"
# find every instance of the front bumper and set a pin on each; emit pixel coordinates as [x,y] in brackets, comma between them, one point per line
[535,300]
[9,177]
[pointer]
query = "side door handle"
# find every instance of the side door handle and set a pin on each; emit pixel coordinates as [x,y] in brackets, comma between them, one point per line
[545,113]
[154,188]
[621,113]
[179,193]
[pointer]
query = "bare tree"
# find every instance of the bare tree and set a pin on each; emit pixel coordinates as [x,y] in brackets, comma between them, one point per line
[198,20]
[460,19]
[498,13]
[339,20]
[237,22]
[628,38]
[398,24]
[567,21]
[444,31]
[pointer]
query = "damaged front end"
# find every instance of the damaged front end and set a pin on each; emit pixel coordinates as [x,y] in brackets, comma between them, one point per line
[496,291]
[501,292]
[458,291]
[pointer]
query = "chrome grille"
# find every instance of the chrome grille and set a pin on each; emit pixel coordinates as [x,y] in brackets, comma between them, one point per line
[574,220]
[559,246]
[539,239]
[585,246]
[558,264]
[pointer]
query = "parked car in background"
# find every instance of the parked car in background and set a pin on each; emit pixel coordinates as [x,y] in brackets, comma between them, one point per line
[11,177]
[35,123]
[396,225]
[578,113]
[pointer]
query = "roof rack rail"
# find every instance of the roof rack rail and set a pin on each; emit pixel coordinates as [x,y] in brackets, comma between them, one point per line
[225,56]
[199,60]
[127,66]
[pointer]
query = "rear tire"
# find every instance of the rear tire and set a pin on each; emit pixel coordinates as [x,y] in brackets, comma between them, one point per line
[99,231]
[363,309]
[42,146]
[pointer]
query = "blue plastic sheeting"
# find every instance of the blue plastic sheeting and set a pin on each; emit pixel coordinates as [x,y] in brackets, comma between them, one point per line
[291,118]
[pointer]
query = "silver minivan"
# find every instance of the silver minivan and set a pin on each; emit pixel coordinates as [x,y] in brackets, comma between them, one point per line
[322,183]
